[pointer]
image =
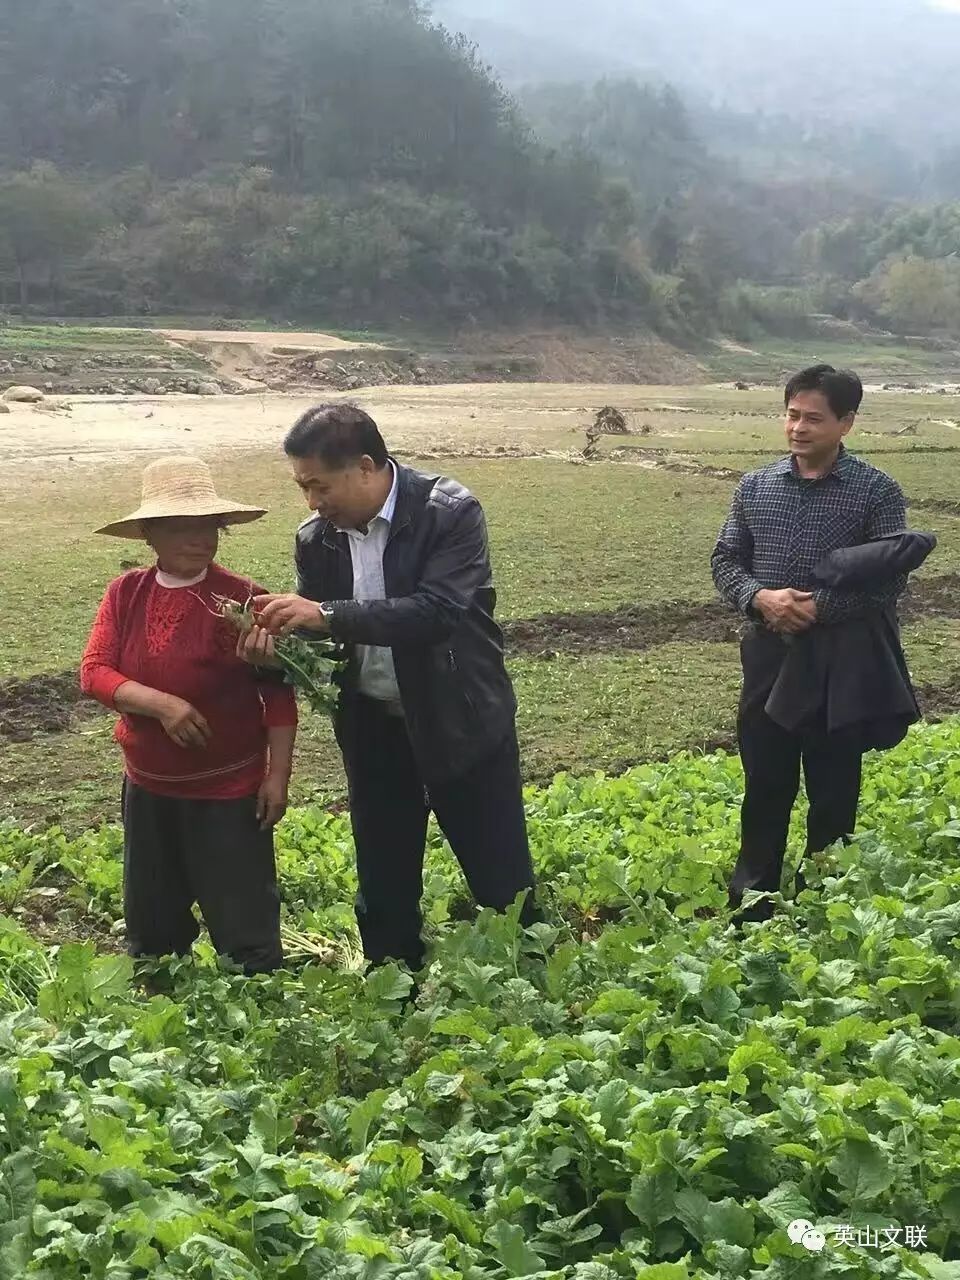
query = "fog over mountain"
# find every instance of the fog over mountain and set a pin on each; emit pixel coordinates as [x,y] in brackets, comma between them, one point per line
[689,167]
[891,65]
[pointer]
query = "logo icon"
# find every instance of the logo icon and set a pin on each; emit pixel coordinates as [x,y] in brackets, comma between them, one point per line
[803,1232]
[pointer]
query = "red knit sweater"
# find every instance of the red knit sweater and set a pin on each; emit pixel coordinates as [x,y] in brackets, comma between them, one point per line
[167,639]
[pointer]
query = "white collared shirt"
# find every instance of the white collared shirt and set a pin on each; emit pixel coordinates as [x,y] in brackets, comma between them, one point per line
[378,678]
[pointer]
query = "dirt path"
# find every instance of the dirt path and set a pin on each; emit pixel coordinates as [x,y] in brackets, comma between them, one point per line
[252,338]
[238,354]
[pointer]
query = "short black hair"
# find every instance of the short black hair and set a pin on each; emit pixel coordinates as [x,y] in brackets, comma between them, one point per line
[337,434]
[842,388]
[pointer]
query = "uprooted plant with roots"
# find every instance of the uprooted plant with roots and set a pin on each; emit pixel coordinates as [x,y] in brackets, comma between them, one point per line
[309,665]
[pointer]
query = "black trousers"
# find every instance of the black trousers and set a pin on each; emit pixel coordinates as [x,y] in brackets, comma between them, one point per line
[209,852]
[481,815]
[772,759]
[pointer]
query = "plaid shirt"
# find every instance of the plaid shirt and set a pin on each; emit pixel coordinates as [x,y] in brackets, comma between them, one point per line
[780,526]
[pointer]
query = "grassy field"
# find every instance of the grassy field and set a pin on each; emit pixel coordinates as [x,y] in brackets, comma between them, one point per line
[49,337]
[74,341]
[876,360]
[563,537]
[587,540]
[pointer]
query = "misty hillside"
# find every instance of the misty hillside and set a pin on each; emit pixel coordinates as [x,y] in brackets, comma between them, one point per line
[885,64]
[356,164]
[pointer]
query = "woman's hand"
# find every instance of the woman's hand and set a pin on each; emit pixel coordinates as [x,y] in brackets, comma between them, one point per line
[184,724]
[257,648]
[272,800]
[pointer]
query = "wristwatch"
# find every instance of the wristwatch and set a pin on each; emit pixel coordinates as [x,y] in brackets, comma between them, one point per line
[326,610]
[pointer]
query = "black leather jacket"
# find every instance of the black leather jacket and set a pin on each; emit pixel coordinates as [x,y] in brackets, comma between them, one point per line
[851,678]
[457,697]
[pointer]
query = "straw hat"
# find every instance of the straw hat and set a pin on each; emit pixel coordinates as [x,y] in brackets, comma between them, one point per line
[179,487]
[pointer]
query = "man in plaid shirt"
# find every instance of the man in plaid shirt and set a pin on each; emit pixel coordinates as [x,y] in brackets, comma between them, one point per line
[784,519]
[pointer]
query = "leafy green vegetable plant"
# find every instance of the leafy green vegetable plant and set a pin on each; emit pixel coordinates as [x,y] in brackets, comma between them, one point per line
[629,1089]
[309,665]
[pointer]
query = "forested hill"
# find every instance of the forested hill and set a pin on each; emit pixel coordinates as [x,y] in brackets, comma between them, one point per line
[302,156]
[315,90]
[358,164]
[889,65]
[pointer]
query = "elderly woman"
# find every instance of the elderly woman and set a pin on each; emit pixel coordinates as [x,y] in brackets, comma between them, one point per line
[207,739]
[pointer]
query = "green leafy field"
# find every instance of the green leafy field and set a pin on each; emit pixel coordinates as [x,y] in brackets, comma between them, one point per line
[627,1090]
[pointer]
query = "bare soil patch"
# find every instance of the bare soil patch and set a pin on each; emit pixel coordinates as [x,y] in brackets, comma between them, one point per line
[297,361]
[939,701]
[53,917]
[933,597]
[572,356]
[641,627]
[42,704]
[634,628]
[662,461]
[946,506]
[454,420]
[252,338]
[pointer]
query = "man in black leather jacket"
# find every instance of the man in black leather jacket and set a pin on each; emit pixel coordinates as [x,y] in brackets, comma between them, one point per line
[394,564]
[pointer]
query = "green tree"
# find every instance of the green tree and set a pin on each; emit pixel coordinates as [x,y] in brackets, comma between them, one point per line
[915,294]
[664,240]
[44,219]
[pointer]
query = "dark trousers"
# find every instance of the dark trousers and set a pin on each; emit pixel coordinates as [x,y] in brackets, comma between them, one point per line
[772,760]
[209,852]
[481,814]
